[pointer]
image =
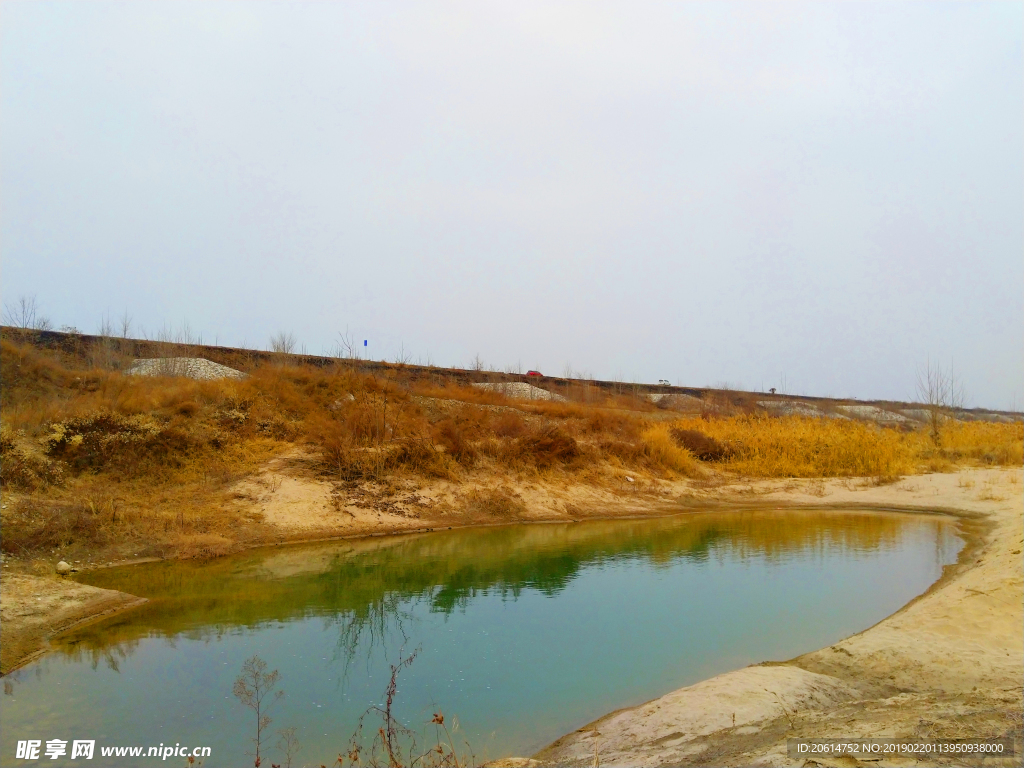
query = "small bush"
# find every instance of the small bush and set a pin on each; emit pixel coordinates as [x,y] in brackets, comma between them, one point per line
[453,439]
[125,443]
[549,447]
[422,457]
[662,452]
[20,469]
[508,424]
[700,445]
[42,525]
[622,450]
[498,503]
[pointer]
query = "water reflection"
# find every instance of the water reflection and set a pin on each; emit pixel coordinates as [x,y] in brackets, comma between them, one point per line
[363,588]
[526,631]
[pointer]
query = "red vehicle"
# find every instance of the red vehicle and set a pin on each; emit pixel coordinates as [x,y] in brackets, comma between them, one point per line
[534,373]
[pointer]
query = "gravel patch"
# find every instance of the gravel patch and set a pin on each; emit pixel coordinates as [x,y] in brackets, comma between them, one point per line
[520,390]
[189,367]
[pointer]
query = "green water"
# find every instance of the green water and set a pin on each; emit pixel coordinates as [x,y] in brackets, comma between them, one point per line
[523,633]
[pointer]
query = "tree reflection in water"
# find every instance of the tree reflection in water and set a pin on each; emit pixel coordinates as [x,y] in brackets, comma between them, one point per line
[363,589]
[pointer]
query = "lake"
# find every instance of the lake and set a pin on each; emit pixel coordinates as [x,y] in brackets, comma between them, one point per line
[522,633]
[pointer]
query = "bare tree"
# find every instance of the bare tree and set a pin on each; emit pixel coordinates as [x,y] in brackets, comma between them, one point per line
[106,328]
[346,347]
[283,342]
[103,350]
[25,313]
[251,688]
[126,324]
[477,364]
[942,393]
[403,357]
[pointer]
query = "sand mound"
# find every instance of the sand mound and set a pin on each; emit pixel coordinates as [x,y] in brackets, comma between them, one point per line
[521,390]
[189,367]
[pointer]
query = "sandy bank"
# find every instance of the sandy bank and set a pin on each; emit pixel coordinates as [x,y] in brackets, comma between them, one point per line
[35,608]
[948,665]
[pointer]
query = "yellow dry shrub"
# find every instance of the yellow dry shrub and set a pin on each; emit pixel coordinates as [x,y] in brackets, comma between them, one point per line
[987,443]
[797,446]
[662,451]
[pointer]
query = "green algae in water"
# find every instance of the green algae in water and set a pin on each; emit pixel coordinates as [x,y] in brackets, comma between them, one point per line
[525,632]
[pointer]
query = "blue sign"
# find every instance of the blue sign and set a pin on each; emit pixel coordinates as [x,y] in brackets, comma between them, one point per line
[364,342]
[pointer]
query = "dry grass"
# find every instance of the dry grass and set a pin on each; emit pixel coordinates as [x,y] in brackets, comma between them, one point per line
[796,446]
[663,450]
[495,503]
[95,458]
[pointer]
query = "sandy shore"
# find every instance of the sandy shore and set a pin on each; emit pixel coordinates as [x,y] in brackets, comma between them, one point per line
[949,664]
[34,609]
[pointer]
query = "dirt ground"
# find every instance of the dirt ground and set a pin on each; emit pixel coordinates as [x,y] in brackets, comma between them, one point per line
[950,664]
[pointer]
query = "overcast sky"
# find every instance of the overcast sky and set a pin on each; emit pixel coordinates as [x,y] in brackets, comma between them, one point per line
[817,196]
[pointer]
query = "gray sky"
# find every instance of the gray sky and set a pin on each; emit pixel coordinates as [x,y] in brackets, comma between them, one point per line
[821,195]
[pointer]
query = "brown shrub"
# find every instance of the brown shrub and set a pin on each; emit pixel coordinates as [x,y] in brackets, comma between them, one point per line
[422,457]
[549,447]
[508,424]
[188,408]
[700,445]
[453,439]
[622,450]
[497,502]
[125,443]
[40,525]
[622,426]
[21,469]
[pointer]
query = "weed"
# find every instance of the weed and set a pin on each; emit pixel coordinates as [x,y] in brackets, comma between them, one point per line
[501,503]
[394,744]
[288,744]
[252,687]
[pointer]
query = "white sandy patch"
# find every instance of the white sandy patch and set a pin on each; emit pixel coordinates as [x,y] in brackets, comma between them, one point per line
[189,367]
[520,390]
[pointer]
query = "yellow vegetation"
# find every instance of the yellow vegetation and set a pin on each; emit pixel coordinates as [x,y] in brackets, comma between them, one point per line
[96,457]
[796,446]
[662,450]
